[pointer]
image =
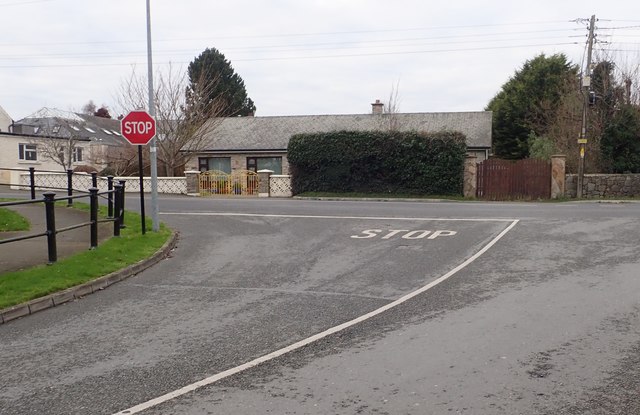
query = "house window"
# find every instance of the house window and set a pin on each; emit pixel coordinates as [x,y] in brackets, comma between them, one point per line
[77,154]
[215,163]
[265,163]
[27,152]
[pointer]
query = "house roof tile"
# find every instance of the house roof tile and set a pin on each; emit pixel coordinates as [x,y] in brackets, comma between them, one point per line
[271,133]
[54,122]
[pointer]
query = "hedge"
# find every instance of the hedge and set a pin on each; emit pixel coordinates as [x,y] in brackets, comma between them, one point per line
[378,161]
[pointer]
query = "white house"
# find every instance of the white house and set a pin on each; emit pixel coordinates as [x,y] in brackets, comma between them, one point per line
[5,120]
[26,140]
[20,151]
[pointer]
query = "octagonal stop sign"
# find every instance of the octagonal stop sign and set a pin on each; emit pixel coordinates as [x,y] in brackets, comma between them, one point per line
[138,127]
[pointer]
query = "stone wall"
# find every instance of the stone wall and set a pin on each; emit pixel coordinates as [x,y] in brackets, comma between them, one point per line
[604,185]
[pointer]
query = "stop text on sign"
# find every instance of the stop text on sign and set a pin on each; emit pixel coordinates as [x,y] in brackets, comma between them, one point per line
[137,127]
[403,233]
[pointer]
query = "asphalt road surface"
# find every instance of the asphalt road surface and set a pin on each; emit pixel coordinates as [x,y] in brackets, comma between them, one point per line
[318,307]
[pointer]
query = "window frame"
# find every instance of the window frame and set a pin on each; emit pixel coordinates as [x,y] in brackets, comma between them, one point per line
[204,163]
[27,152]
[77,154]
[253,161]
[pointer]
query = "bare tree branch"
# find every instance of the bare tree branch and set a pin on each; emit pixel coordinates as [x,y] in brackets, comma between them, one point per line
[183,119]
[59,141]
[389,118]
[120,160]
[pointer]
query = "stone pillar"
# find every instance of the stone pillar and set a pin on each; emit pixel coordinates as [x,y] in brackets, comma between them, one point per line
[193,182]
[558,172]
[263,186]
[470,176]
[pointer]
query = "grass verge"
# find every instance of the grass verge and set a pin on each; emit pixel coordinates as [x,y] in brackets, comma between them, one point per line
[112,255]
[11,221]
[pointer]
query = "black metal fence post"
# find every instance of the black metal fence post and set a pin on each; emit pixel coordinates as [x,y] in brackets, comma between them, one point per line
[110,196]
[50,214]
[93,197]
[122,183]
[32,182]
[94,179]
[116,209]
[69,187]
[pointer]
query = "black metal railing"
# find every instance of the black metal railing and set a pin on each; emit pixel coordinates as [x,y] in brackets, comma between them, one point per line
[68,187]
[115,196]
[33,186]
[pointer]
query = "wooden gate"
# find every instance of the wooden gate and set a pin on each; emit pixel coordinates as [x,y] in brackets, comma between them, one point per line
[238,183]
[514,180]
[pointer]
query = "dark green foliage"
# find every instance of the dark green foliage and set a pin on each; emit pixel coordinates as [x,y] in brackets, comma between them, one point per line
[528,103]
[214,82]
[378,161]
[620,143]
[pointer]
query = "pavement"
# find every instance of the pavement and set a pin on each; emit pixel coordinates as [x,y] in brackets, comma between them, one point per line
[20,255]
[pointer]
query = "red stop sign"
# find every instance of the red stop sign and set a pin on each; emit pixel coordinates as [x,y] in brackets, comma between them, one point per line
[138,127]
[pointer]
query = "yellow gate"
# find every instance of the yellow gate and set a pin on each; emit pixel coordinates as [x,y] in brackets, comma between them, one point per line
[238,183]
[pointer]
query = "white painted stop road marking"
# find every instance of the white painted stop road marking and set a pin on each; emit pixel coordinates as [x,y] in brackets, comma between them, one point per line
[408,234]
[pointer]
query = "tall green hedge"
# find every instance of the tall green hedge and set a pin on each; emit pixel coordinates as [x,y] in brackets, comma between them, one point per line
[378,161]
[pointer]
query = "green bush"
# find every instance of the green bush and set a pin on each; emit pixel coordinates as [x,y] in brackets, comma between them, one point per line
[540,147]
[620,144]
[378,161]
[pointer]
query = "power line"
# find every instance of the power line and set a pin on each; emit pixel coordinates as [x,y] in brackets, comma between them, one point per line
[24,3]
[473,38]
[382,30]
[286,58]
[619,27]
[217,38]
[283,48]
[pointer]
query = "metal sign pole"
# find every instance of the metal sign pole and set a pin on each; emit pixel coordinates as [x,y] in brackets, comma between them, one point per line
[140,170]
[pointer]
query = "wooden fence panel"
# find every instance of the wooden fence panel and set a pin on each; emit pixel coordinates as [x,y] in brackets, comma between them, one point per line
[513,180]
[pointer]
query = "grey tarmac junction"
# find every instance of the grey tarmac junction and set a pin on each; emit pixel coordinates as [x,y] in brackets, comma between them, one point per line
[334,307]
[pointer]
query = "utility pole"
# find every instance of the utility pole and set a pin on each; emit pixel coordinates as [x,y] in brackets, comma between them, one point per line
[152,112]
[586,86]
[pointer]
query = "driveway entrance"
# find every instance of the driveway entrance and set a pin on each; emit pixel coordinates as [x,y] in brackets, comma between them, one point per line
[237,183]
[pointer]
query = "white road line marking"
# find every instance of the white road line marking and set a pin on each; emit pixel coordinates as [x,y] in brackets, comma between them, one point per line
[261,215]
[255,362]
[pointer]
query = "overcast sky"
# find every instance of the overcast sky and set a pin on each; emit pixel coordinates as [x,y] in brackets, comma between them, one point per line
[300,57]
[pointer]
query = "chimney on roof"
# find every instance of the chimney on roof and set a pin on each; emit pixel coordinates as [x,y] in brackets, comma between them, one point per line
[377,107]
